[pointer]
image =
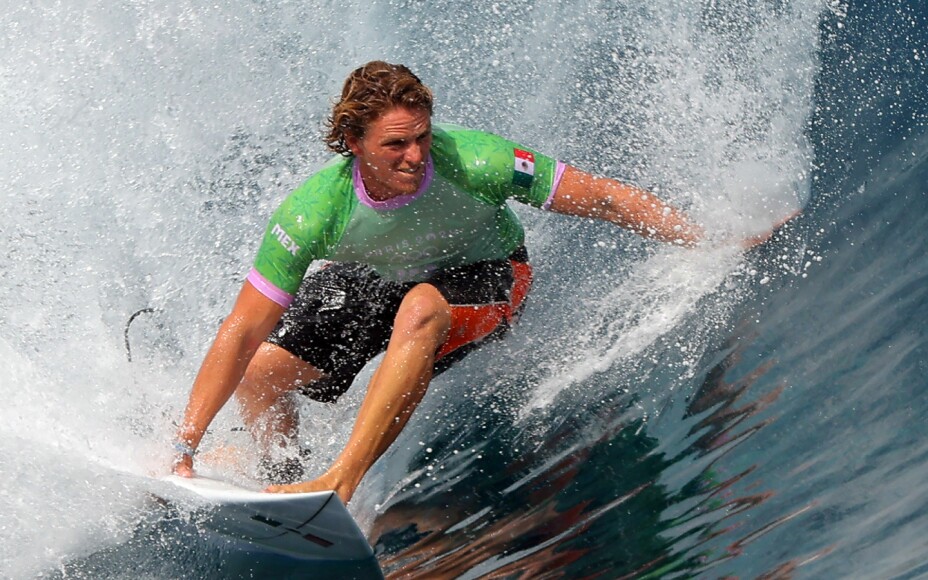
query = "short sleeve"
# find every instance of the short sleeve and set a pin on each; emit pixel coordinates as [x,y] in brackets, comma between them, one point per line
[493,168]
[302,229]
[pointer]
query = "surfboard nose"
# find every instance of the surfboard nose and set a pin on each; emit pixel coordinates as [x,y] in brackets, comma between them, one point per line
[307,526]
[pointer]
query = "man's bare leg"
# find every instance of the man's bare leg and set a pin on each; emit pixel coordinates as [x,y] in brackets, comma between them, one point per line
[263,395]
[422,325]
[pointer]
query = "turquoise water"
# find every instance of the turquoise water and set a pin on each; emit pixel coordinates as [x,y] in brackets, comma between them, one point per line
[658,412]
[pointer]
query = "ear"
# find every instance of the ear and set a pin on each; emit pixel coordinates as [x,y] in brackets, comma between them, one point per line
[354,145]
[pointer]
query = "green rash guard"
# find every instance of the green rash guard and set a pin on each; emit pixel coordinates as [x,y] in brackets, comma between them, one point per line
[458,216]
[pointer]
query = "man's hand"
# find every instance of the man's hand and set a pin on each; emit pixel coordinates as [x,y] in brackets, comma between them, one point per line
[183,460]
[183,465]
[762,237]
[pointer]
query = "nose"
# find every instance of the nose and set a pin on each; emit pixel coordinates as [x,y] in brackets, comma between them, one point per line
[415,153]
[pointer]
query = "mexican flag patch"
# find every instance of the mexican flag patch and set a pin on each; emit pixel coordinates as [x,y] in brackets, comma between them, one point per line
[524,169]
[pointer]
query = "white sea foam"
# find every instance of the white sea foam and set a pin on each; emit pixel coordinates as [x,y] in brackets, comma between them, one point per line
[143,145]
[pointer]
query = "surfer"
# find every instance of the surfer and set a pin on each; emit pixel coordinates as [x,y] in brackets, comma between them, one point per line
[424,260]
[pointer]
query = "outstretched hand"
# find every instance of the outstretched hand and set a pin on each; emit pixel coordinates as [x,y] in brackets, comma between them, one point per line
[762,237]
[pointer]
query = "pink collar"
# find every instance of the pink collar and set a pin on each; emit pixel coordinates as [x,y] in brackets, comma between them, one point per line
[395,202]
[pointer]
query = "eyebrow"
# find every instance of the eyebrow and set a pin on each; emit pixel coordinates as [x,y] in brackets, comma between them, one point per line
[387,140]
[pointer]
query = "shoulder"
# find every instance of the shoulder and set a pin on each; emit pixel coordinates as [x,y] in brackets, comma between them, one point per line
[333,176]
[316,211]
[304,225]
[459,152]
[494,167]
[330,186]
[456,141]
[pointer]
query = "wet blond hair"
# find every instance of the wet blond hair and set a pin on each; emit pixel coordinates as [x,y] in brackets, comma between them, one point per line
[368,92]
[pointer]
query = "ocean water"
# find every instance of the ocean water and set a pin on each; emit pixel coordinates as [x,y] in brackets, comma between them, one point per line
[658,412]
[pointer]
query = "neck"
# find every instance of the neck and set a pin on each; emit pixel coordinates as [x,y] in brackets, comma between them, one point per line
[378,194]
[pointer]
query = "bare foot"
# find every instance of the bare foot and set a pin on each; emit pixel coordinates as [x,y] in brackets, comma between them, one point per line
[326,482]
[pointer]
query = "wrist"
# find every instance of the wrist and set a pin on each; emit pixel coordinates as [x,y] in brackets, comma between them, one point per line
[184,448]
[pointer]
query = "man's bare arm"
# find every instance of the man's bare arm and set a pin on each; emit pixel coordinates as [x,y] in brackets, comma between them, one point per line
[637,210]
[252,319]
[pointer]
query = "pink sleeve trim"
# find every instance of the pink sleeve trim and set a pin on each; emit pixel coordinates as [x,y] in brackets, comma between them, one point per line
[558,174]
[263,286]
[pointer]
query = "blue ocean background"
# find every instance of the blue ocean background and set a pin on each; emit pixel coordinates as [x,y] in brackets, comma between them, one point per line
[658,413]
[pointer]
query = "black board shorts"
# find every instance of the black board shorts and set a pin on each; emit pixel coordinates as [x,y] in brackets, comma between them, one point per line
[342,315]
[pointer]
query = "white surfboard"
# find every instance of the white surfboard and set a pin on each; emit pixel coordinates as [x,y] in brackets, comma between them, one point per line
[307,526]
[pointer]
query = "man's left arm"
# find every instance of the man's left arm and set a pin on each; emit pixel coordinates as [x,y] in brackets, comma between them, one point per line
[585,195]
[635,209]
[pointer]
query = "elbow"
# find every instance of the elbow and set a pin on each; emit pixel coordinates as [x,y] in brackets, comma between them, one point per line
[240,336]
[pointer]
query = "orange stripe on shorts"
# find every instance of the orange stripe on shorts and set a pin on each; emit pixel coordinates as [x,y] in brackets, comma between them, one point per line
[470,323]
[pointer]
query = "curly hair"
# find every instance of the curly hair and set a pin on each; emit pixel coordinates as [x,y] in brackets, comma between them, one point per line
[368,92]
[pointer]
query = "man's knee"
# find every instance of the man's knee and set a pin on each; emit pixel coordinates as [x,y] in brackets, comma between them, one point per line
[424,311]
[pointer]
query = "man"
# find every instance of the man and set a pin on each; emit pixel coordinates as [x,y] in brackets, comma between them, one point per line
[425,260]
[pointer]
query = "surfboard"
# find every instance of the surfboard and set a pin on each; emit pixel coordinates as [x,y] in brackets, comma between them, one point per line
[305,526]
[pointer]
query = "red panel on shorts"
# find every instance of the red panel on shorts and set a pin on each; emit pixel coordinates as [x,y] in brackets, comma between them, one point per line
[471,323]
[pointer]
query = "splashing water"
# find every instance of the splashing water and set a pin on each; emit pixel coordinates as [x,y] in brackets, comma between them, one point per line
[145,145]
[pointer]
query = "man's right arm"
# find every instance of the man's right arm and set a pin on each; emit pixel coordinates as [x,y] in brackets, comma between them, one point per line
[252,319]
[296,234]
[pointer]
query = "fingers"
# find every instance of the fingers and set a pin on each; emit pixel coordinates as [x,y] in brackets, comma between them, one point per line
[759,239]
[789,217]
[281,489]
[183,466]
[301,487]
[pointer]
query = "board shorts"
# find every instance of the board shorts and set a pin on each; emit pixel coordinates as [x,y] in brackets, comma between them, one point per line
[342,316]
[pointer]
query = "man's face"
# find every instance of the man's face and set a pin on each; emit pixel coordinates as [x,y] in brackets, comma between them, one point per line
[393,152]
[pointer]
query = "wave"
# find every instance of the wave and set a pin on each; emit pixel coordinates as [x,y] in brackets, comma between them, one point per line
[657,413]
